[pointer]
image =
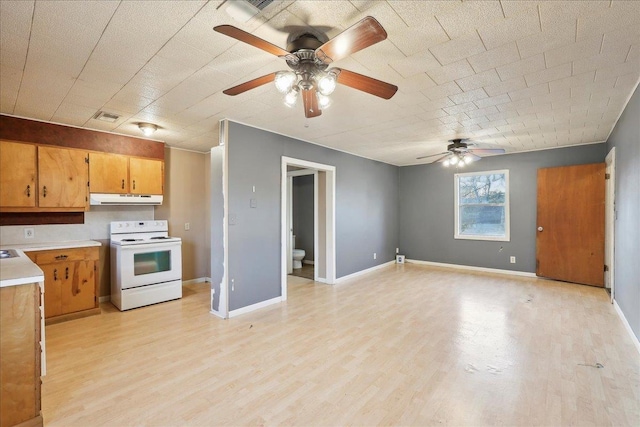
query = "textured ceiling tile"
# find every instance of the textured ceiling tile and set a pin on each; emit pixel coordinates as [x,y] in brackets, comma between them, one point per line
[509,29]
[327,12]
[573,81]
[465,97]
[418,13]
[493,58]
[620,14]
[584,48]
[465,17]
[560,33]
[529,92]
[451,72]
[545,76]
[506,86]
[442,91]
[461,108]
[495,100]
[457,49]
[415,64]
[428,35]
[486,78]
[522,67]
[405,99]
[482,111]
[416,83]
[596,62]
[617,70]
[433,114]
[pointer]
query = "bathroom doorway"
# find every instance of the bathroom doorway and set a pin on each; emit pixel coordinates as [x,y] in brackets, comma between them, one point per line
[301,220]
[323,219]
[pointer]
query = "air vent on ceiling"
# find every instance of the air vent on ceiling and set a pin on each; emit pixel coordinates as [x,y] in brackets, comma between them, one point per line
[260,4]
[106,117]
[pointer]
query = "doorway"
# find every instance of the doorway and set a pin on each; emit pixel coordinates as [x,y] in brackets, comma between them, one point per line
[324,219]
[302,221]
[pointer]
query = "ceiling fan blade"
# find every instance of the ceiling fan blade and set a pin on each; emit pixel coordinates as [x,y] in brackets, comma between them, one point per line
[446,153]
[243,36]
[442,158]
[363,34]
[472,156]
[251,84]
[366,84]
[487,150]
[310,100]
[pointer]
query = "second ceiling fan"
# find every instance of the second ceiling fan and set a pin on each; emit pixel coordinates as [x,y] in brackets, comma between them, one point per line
[309,59]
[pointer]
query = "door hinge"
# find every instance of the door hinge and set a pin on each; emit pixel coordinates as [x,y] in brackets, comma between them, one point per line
[607,176]
[606,267]
[86,160]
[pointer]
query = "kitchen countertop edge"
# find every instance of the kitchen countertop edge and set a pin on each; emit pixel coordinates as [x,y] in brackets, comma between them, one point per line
[47,246]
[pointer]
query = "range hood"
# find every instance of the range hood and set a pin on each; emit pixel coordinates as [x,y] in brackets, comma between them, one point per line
[124,199]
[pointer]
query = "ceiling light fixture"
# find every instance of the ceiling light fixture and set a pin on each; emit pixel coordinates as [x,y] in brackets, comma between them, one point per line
[147,128]
[307,78]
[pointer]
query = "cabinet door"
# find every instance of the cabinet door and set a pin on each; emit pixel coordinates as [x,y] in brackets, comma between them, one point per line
[108,173]
[53,278]
[79,287]
[146,176]
[62,178]
[17,175]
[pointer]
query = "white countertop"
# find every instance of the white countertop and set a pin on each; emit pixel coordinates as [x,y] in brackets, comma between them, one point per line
[19,271]
[45,246]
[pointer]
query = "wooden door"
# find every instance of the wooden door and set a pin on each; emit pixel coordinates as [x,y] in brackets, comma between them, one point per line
[570,236]
[79,287]
[146,176]
[108,173]
[17,175]
[52,289]
[63,175]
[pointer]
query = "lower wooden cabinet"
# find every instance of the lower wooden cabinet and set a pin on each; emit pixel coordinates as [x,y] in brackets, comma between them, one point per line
[70,282]
[20,355]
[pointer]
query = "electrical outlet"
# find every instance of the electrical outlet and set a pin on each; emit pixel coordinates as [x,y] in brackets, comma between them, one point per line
[29,233]
[512,260]
[375,255]
[187,226]
[397,250]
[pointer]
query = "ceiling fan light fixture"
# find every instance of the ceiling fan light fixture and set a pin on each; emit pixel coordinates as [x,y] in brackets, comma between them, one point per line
[291,98]
[454,160]
[446,163]
[147,129]
[327,83]
[284,81]
[324,101]
[467,159]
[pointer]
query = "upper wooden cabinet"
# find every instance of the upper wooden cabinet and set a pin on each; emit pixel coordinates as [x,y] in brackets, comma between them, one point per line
[117,174]
[108,173]
[18,170]
[145,176]
[63,176]
[42,178]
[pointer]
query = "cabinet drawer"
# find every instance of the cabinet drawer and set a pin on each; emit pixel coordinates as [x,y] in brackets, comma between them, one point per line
[63,255]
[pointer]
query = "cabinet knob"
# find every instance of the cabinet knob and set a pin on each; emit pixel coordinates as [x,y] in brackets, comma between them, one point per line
[28,191]
[61,257]
[66,273]
[55,274]
[540,228]
[123,184]
[134,184]
[44,191]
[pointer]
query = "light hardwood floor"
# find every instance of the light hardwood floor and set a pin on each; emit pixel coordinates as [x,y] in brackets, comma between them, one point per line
[406,345]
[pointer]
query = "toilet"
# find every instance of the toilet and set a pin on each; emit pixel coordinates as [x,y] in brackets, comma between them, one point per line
[298,255]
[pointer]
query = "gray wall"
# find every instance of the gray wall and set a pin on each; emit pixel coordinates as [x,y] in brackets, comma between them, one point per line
[427,209]
[366,210]
[626,138]
[303,214]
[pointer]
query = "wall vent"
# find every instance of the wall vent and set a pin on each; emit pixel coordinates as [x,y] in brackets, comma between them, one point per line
[260,4]
[106,117]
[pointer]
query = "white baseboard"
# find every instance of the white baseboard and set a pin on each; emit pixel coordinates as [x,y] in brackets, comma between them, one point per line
[197,280]
[215,313]
[627,326]
[304,261]
[105,298]
[470,267]
[362,272]
[253,307]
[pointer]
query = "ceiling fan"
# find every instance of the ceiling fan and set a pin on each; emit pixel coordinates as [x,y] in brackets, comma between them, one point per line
[458,153]
[309,59]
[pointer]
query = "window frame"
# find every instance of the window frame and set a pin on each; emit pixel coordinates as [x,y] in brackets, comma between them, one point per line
[507,215]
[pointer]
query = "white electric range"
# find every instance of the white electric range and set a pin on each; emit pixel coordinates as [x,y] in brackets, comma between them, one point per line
[146,264]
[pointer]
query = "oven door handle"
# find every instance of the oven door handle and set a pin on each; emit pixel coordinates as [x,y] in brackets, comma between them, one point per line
[143,247]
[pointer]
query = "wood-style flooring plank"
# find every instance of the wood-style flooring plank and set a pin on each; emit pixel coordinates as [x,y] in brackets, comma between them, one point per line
[406,345]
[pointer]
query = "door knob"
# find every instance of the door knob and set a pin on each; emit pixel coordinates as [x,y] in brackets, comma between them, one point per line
[540,228]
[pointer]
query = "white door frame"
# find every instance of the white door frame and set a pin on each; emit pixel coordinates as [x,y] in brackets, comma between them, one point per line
[330,205]
[290,248]
[610,220]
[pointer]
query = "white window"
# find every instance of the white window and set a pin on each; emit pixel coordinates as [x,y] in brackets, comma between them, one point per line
[482,205]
